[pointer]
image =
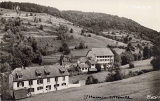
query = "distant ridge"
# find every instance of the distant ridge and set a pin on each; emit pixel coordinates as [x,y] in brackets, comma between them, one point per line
[95,22]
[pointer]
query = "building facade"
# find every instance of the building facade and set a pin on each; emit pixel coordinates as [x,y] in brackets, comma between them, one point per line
[102,56]
[36,80]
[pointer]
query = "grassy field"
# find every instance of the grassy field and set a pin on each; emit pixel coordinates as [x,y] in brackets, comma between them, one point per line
[132,87]
[101,76]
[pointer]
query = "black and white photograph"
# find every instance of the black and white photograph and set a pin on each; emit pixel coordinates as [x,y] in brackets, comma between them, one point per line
[79,50]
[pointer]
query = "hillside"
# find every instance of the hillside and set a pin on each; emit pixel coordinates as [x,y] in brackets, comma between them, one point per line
[132,87]
[93,22]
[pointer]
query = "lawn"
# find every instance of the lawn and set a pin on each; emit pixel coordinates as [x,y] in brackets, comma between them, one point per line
[137,88]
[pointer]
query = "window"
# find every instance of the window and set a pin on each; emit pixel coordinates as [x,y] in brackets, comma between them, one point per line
[20,84]
[56,85]
[56,79]
[19,76]
[48,80]
[38,74]
[48,87]
[64,78]
[39,88]
[86,68]
[31,90]
[63,84]
[40,81]
[82,68]
[31,82]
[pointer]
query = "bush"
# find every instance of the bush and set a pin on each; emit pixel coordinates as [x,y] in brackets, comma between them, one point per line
[91,80]
[98,67]
[140,72]
[71,31]
[156,64]
[131,65]
[41,27]
[114,76]
[89,35]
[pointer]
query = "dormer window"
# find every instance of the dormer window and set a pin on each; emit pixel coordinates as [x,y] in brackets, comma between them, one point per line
[19,75]
[62,70]
[47,71]
[38,72]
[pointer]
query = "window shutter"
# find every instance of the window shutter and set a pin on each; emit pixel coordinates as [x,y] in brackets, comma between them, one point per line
[17,84]
[37,81]
[22,83]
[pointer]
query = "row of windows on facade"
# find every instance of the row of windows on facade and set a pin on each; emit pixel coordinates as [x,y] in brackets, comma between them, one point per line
[104,56]
[84,68]
[104,60]
[39,81]
[48,87]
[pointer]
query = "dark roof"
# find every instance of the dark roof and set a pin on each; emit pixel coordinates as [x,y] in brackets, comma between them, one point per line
[47,70]
[79,53]
[83,59]
[92,69]
[83,66]
[20,94]
[18,73]
[38,71]
[101,51]
[91,61]
[30,72]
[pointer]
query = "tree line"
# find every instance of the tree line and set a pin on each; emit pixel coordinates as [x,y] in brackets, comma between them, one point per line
[94,22]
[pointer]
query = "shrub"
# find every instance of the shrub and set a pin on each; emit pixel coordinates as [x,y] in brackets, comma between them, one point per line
[98,67]
[91,80]
[140,72]
[71,31]
[156,64]
[131,65]
[89,35]
[41,27]
[114,76]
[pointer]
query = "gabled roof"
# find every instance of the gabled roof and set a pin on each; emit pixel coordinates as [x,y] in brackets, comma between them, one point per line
[18,73]
[47,70]
[83,59]
[101,51]
[83,66]
[30,72]
[91,61]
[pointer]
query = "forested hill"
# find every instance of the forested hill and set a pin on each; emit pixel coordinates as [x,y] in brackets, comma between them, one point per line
[96,22]
[101,21]
[31,7]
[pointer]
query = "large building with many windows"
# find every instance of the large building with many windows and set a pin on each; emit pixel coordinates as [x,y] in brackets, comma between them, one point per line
[102,56]
[35,80]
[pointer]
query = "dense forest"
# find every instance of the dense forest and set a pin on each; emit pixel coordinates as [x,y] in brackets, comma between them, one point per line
[100,21]
[95,22]
[31,7]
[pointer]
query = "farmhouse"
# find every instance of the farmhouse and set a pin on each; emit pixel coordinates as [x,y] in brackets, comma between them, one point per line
[34,80]
[102,56]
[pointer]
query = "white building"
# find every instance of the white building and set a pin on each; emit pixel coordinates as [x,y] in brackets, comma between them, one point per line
[35,80]
[102,56]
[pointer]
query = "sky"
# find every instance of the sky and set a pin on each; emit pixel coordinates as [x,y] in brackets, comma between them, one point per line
[145,12]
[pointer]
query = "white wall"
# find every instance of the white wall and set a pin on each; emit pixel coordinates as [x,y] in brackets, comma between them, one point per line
[45,83]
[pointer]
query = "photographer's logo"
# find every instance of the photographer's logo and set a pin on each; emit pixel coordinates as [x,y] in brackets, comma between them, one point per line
[153,97]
